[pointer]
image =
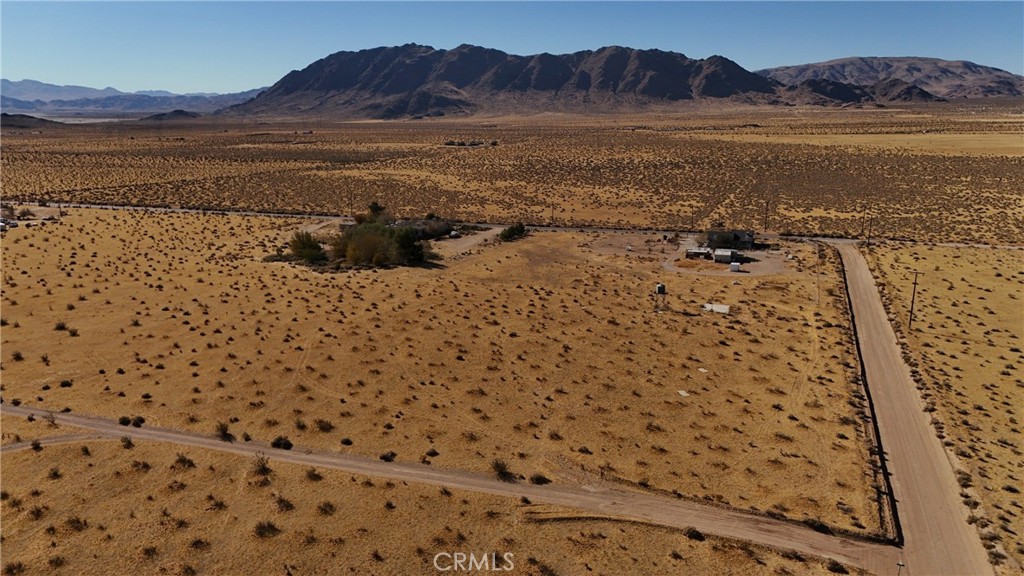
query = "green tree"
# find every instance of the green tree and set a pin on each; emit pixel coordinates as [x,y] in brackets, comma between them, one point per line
[514,231]
[369,243]
[408,248]
[306,248]
[376,211]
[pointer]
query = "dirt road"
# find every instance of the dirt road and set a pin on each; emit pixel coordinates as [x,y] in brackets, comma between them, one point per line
[937,538]
[598,498]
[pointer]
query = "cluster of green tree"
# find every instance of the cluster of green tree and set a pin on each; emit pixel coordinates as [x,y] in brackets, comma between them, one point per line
[376,244]
[517,230]
[372,241]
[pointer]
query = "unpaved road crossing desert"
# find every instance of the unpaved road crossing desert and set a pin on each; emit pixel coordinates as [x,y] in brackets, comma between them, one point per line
[597,498]
[937,538]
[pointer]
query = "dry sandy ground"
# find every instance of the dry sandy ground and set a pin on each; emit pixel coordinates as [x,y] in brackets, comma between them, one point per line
[933,172]
[965,348]
[544,352]
[96,507]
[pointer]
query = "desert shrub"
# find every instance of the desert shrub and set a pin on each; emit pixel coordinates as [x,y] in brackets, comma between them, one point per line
[17,356]
[138,421]
[793,555]
[223,433]
[694,534]
[326,508]
[261,465]
[13,568]
[183,462]
[517,230]
[266,529]
[836,568]
[818,526]
[284,504]
[306,248]
[313,476]
[539,479]
[281,442]
[124,420]
[502,471]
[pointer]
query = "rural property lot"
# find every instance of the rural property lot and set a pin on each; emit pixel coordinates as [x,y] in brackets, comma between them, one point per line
[547,355]
[543,353]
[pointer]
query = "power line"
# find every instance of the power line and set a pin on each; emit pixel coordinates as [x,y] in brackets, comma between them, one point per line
[913,298]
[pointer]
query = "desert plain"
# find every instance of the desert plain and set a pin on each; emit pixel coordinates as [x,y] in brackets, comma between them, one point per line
[545,359]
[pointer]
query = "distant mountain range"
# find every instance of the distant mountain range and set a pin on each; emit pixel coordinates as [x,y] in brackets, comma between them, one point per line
[943,78]
[31,96]
[413,81]
[418,81]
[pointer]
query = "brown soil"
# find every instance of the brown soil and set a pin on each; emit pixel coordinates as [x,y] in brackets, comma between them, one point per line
[542,352]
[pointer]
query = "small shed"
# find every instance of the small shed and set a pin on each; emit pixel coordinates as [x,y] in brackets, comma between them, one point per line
[702,252]
[734,267]
[724,255]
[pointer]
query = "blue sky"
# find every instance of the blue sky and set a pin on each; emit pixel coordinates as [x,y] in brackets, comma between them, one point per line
[231,46]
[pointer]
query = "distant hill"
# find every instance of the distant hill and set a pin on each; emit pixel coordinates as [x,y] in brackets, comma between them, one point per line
[25,121]
[169,116]
[829,92]
[38,97]
[414,80]
[30,90]
[942,78]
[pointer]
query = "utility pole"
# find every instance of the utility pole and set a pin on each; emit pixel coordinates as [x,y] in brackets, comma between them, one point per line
[913,297]
[871,222]
[766,204]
